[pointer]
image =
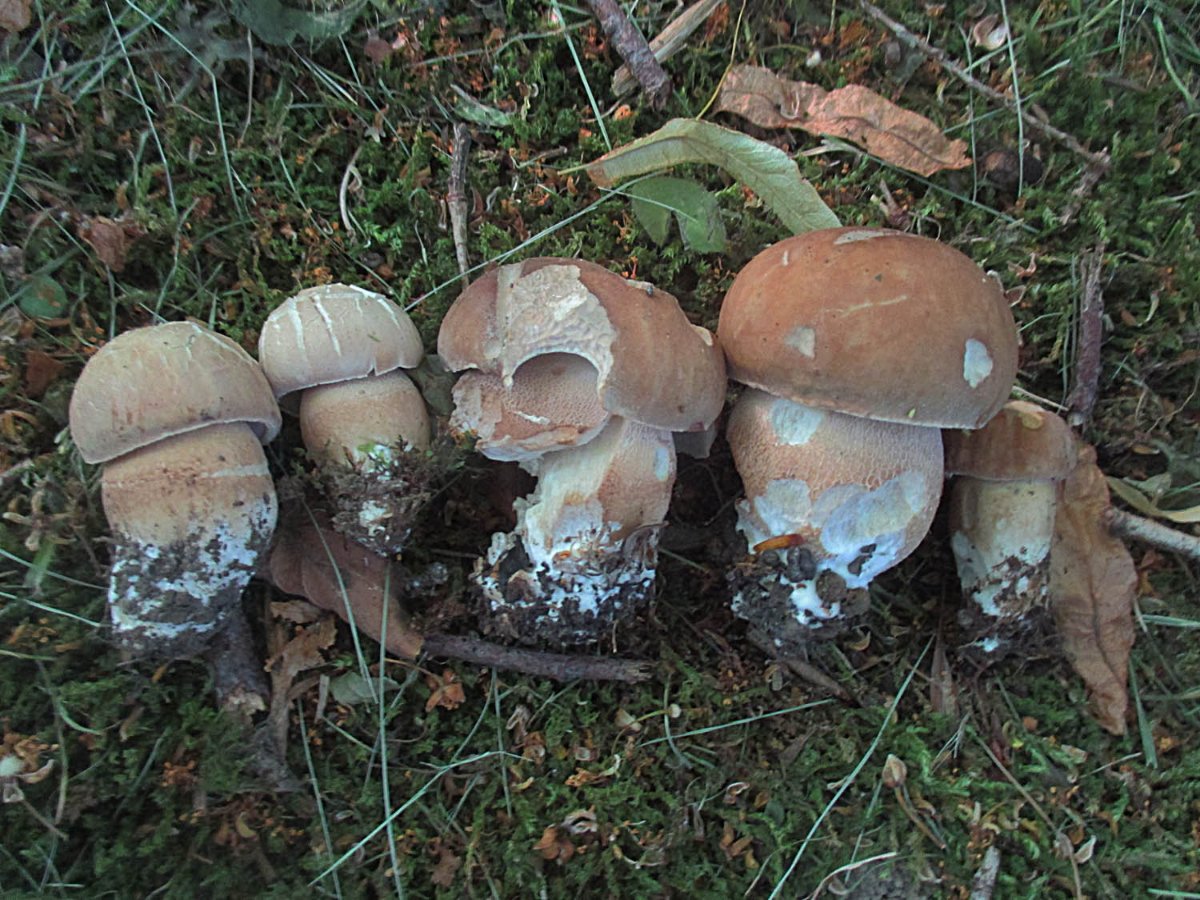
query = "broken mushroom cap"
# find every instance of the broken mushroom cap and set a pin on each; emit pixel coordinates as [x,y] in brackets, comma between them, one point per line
[334,333]
[582,377]
[648,362]
[872,323]
[341,349]
[831,501]
[1002,510]
[177,413]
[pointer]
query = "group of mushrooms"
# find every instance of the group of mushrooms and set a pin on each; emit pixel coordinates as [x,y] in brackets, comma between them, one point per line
[858,349]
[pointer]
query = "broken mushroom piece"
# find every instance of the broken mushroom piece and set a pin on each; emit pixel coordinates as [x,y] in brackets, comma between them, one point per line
[177,415]
[860,344]
[1002,509]
[341,348]
[582,377]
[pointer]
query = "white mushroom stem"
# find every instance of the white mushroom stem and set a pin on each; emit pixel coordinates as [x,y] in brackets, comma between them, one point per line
[190,514]
[362,421]
[826,494]
[1001,533]
[587,537]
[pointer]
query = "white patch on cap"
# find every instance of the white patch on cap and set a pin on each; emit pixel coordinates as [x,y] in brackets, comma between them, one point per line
[862,234]
[802,339]
[794,424]
[977,363]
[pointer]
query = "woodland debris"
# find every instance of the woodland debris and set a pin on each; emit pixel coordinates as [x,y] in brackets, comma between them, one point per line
[1089,337]
[667,42]
[1147,531]
[632,46]
[456,197]
[855,113]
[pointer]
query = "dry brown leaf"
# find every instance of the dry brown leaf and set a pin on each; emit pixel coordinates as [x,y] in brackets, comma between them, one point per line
[854,113]
[1092,588]
[41,371]
[447,865]
[14,15]
[300,653]
[447,691]
[298,612]
[107,238]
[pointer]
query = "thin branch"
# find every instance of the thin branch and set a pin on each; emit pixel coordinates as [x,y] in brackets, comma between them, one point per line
[667,42]
[456,198]
[1147,531]
[1089,337]
[632,46]
[559,666]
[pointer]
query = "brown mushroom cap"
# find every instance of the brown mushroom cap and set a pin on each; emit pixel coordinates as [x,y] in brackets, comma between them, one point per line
[872,323]
[166,380]
[652,365]
[332,333]
[1022,442]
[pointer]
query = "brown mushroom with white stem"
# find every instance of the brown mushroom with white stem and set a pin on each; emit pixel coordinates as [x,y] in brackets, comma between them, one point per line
[858,345]
[177,415]
[582,377]
[1002,508]
[336,352]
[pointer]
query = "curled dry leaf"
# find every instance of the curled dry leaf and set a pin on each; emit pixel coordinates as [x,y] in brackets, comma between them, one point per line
[107,238]
[1092,587]
[853,113]
[446,691]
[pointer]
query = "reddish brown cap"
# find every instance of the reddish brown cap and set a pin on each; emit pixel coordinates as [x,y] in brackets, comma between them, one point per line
[1022,442]
[333,333]
[165,380]
[652,365]
[873,323]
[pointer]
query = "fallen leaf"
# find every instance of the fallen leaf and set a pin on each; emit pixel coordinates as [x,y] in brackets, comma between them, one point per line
[552,845]
[377,49]
[14,15]
[1147,505]
[41,370]
[1092,588]
[107,238]
[447,865]
[766,170]
[447,691]
[853,113]
[695,209]
[300,653]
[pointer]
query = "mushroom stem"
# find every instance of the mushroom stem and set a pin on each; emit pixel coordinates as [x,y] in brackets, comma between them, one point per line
[190,516]
[584,551]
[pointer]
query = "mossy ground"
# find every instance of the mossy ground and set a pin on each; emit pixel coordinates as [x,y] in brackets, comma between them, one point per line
[239,171]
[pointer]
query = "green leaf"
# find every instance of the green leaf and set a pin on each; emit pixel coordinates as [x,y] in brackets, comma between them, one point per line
[480,113]
[695,209]
[274,23]
[353,688]
[41,297]
[765,169]
[1147,507]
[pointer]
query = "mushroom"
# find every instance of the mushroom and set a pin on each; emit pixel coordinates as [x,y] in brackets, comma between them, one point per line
[1002,510]
[581,377]
[859,345]
[340,348]
[177,415]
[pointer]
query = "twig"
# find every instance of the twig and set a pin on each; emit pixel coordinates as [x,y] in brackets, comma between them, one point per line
[560,666]
[1099,160]
[1153,533]
[237,669]
[1089,336]
[667,42]
[983,885]
[456,197]
[633,48]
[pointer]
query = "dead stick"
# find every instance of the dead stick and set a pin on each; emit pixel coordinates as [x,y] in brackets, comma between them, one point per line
[1147,531]
[632,46]
[559,666]
[456,197]
[237,669]
[918,43]
[667,42]
[1089,337]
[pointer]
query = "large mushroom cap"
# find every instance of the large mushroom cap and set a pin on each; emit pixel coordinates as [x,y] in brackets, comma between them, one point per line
[166,380]
[873,323]
[1022,442]
[332,333]
[651,364]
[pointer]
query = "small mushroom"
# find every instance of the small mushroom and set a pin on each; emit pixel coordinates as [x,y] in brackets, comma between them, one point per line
[1002,510]
[860,344]
[340,348]
[177,414]
[582,377]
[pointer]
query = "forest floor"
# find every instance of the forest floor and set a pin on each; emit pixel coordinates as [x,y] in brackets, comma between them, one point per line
[164,160]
